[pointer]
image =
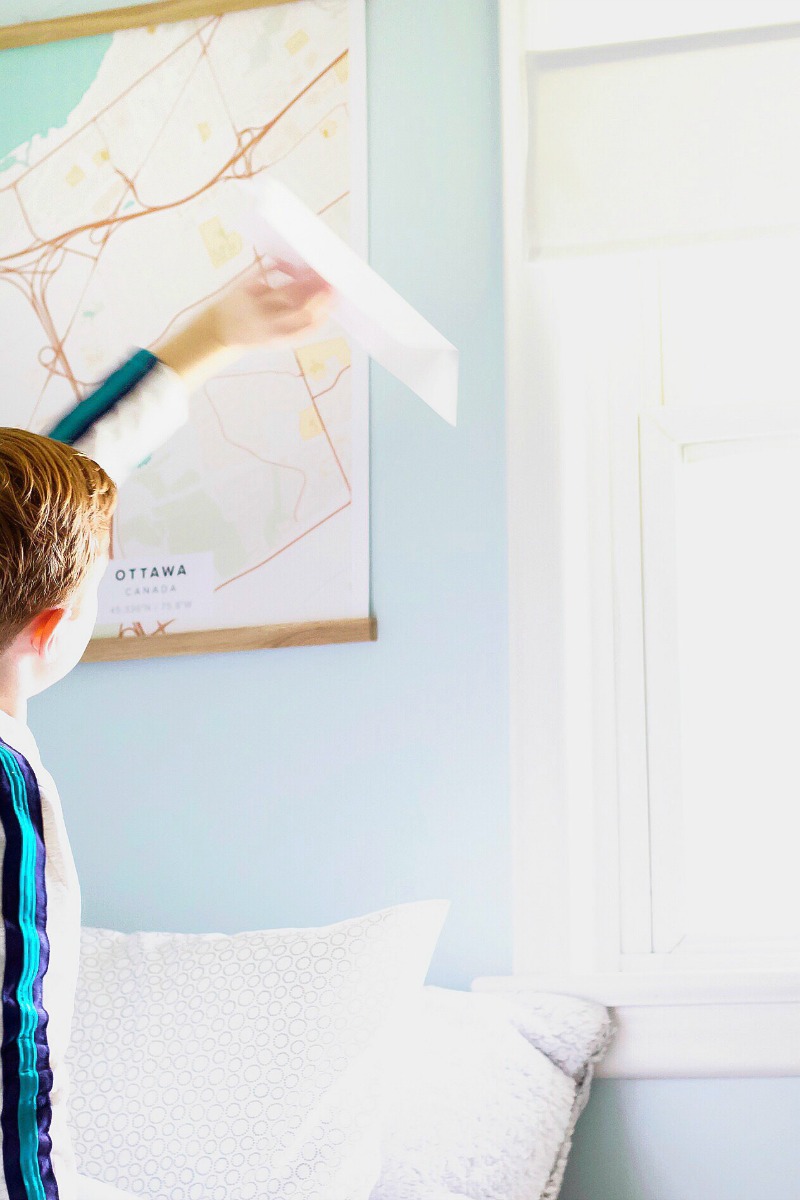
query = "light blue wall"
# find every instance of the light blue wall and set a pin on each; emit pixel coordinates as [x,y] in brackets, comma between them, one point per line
[687,1139]
[302,786]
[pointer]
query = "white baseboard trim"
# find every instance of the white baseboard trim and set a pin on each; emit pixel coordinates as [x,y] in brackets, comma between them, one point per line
[708,1034]
[709,1041]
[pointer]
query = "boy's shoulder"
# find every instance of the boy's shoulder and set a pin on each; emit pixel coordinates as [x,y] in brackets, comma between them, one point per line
[18,746]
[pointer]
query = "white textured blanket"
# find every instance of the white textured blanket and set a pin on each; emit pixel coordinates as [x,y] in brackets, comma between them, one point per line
[484,1096]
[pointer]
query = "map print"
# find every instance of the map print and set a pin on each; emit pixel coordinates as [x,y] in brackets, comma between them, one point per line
[116,226]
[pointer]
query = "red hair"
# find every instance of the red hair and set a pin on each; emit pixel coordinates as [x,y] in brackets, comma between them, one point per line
[55,516]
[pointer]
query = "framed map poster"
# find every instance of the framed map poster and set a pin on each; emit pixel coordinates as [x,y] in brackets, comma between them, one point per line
[119,163]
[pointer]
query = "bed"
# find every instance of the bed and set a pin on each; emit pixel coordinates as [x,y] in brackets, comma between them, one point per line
[200,1072]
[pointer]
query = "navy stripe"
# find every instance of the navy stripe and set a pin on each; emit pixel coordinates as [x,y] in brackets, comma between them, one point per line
[22,822]
[80,419]
[9,1119]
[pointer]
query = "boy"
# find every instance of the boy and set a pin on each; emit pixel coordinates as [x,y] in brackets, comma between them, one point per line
[57,496]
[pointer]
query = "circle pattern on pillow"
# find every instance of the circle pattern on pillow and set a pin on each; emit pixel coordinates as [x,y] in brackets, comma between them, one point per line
[214,1067]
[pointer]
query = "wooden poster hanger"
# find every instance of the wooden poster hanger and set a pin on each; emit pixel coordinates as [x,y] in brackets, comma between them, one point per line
[110,20]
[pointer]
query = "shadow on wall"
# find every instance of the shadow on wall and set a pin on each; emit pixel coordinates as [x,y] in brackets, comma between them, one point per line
[686,1139]
[594,1173]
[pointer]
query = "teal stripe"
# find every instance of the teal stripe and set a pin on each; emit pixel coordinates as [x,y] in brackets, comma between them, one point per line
[28,1074]
[81,418]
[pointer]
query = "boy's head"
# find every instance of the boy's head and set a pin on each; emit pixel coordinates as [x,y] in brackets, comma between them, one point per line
[55,518]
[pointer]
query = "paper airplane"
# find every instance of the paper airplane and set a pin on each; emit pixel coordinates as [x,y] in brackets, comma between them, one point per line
[379,320]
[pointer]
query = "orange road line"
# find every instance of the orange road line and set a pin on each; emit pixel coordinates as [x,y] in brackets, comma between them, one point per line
[283,549]
[324,427]
[336,201]
[267,461]
[325,391]
[233,161]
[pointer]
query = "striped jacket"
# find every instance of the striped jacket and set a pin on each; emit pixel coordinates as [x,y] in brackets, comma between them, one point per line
[119,425]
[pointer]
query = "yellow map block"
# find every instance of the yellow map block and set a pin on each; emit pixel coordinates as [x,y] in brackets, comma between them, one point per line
[204,129]
[74,176]
[328,129]
[107,202]
[342,68]
[310,424]
[314,359]
[101,156]
[221,245]
[296,42]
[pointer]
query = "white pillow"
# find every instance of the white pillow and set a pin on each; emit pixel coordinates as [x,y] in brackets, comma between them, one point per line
[473,1109]
[213,1067]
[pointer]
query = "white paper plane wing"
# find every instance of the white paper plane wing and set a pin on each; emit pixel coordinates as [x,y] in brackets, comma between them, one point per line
[382,322]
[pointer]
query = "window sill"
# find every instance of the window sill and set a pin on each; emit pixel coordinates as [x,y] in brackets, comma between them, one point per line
[729,1025]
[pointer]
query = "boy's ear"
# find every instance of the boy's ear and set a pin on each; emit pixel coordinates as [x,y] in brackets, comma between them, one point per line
[44,630]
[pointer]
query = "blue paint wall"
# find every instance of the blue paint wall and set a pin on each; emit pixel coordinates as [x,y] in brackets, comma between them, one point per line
[687,1139]
[303,786]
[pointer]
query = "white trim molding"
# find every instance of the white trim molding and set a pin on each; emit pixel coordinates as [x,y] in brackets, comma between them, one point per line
[731,1025]
[596,868]
[569,24]
[533,532]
